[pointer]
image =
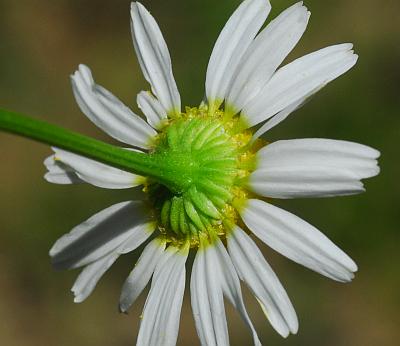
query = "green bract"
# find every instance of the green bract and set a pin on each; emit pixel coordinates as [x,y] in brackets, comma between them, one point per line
[208,159]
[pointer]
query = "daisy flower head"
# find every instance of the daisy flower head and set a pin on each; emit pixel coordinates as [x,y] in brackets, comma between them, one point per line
[209,179]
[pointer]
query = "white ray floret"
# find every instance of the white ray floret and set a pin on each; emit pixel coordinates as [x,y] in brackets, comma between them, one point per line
[277,119]
[98,242]
[265,55]
[109,113]
[313,167]
[297,240]
[152,109]
[214,277]
[259,276]
[207,303]
[154,58]
[161,314]
[230,285]
[89,277]
[59,173]
[116,228]
[141,274]
[296,80]
[231,45]
[68,168]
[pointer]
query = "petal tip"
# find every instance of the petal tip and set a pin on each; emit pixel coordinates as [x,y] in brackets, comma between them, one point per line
[284,333]
[138,8]
[78,296]
[78,299]
[133,5]
[353,267]
[48,177]
[123,309]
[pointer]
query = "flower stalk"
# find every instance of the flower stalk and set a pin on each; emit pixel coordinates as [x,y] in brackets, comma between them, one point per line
[160,168]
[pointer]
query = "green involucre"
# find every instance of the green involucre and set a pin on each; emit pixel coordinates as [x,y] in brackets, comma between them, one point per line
[208,156]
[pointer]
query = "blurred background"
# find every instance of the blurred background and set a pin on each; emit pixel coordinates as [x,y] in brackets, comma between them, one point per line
[41,44]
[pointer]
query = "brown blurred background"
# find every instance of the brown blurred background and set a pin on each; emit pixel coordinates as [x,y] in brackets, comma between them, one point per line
[41,44]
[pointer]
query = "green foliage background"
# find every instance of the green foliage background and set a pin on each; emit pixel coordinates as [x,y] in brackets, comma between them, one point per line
[41,44]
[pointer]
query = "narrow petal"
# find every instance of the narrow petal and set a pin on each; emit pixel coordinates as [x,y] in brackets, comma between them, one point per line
[152,109]
[294,81]
[154,58]
[275,120]
[265,54]
[59,173]
[282,115]
[161,314]
[90,275]
[259,276]
[104,233]
[297,240]
[109,113]
[313,168]
[214,276]
[141,274]
[64,166]
[329,152]
[137,238]
[230,284]
[208,301]
[305,181]
[231,45]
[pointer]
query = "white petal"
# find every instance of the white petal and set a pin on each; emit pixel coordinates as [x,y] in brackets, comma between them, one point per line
[152,109]
[161,314]
[109,113]
[140,234]
[329,152]
[154,58]
[305,181]
[208,301]
[90,171]
[297,240]
[231,45]
[141,274]
[296,80]
[259,276]
[59,173]
[90,275]
[313,168]
[105,232]
[265,54]
[214,276]
[230,283]
[282,115]
[275,120]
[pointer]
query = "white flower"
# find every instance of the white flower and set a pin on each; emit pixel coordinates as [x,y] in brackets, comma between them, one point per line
[221,176]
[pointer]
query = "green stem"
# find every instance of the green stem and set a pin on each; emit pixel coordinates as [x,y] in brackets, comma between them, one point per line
[138,163]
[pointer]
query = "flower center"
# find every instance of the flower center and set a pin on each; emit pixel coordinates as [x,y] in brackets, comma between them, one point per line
[211,157]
